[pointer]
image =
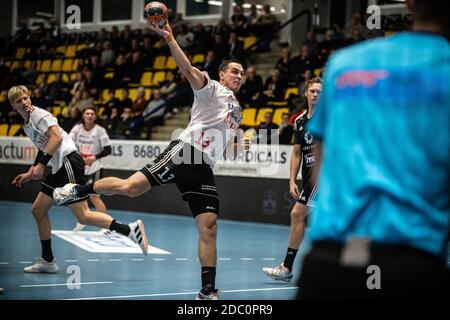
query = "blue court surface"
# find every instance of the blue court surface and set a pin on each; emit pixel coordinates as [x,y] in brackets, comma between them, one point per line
[90,270]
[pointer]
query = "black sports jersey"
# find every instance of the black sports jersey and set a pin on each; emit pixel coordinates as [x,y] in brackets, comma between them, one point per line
[305,139]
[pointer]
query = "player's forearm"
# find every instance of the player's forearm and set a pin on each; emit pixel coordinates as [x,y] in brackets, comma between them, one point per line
[180,58]
[53,144]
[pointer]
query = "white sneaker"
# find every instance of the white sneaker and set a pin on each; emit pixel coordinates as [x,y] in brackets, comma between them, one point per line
[65,194]
[280,273]
[213,295]
[137,234]
[78,227]
[42,266]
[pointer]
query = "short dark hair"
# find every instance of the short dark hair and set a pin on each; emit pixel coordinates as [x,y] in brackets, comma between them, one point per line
[224,65]
[432,11]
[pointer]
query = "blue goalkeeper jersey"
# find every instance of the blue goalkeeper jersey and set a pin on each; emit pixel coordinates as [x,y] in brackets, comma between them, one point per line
[384,123]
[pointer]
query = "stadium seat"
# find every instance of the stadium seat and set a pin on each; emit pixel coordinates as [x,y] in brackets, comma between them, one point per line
[4,129]
[27,64]
[132,94]
[56,111]
[317,72]
[67,65]
[160,63]
[248,41]
[15,64]
[14,129]
[146,79]
[40,79]
[73,77]
[56,65]
[248,117]
[278,114]
[119,93]
[105,95]
[71,50]
[51,78]
[158,77]
[290,91]
[61,49]
[109,75]
[20,53]
[170,64]
[45,65]
[198,58]
[75,65]
[260,116]
[148,94]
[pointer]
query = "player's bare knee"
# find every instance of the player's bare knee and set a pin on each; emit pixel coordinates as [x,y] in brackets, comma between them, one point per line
[298,216]
[38,212]
[208,232]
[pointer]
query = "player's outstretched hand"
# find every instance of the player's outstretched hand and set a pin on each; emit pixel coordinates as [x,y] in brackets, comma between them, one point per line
[165,31]
[21,179]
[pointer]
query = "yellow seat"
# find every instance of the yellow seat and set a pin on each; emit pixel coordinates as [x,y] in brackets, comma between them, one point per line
[171,64]
[81,47]
[65,111]
[317,72]
[40,79]
[248,41]
[198,58]
[45,65]
[146,79]
[15,65]
[75,65]
[248,117]
[67,65]
[132,94]
[65,77]
[27,64]
[4,129]
[100,111]
[109,75]
[160,62]
[71,50]
[56,65]
[14,129]
[56,111]
[290,91]
[260,116]
[105,95]
[73,77]
[159,76]
[61,49]
[148,94]
[51,78]
[278,115]
[20,53]
[119,94]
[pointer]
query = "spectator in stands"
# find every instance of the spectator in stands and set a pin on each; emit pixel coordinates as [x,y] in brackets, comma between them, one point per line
[238,20]
[69,120]
[136,67]
[123,126]
[211,65]
[81,101]
[122,72]
[302,62]
[31,74]
[266,23]
[328,44]
[112,102]
[268,129]
[286,130]
[110,122]
[307,75]
[219,47]
[43,85]
[251,87]
[353,27]
[203,40]
[148,53]
[153,113]
[59,89]
[107,56]
[252,19]
[221,28]
[97,70]
[140,103]
[177,20]
[181,96]
[22,34]
[312,43]
[284,64]
[273,90]
[78,84]
[126,101]
[125,37]
[185,38]
[91,84]
[169,85]
[235,48]
[39,100]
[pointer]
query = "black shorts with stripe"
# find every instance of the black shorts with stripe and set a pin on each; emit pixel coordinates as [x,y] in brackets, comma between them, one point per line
[97,175]
[308,194]
[188,168]
[72,171]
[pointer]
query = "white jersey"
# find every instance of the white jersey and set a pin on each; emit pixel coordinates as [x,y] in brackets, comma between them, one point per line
[36,127]
[215,118]
[90,142]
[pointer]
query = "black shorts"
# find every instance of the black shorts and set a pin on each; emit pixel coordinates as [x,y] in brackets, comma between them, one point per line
[308,194]
[97,175]
[188,168]
[72,171]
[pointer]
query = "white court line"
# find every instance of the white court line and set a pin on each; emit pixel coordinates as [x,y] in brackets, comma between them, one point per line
[246,259]
[179,293]
[71,260]
[137,259]
[4,262]
[159,259]
[23,262]
[270,259]
[114,259]
[63,284]
[93,260]
[181,259]
[225,259]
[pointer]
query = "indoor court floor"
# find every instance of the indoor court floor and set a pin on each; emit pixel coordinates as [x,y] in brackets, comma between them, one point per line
[97,266]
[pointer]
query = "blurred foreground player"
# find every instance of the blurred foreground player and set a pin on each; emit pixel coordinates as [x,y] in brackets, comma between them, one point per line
[381,226]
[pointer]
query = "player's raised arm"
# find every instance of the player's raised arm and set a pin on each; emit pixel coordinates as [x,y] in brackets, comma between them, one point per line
[195,77]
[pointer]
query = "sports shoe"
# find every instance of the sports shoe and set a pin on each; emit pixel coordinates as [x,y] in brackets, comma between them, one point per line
[65,194]
[78,227]
[213,295]
[42,266]
[137,234]
[280,273]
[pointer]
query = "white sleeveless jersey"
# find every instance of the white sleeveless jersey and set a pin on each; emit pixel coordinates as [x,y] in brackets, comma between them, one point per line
[90,143]
[215,118]
[38,124]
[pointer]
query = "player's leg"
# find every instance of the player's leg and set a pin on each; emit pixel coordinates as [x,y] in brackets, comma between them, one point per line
[283,272]
[134,231]
[40,208]
[207,253]
[98,203]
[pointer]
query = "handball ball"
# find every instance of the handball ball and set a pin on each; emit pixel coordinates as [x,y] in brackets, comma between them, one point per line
[156,13]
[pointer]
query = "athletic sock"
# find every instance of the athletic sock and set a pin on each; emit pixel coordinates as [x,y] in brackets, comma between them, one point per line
[85,190]
[208,279]
[47,253]
[120,227]
[290,257]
